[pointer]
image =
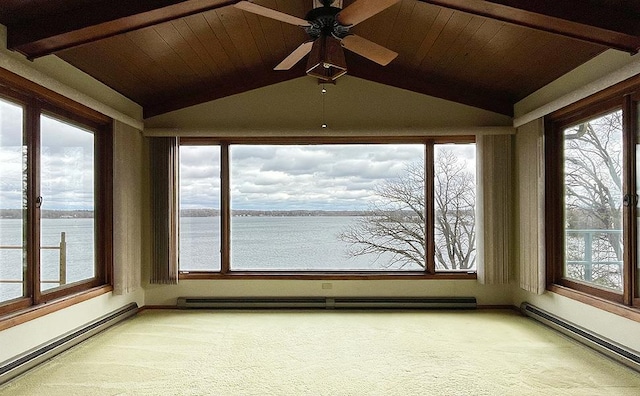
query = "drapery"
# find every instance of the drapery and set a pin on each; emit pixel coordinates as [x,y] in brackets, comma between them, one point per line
[127,205]
[494,208]
[531,245]
[164,210]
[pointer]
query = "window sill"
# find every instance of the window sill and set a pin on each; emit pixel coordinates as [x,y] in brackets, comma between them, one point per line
[632,313]
[37,311]
[329,275]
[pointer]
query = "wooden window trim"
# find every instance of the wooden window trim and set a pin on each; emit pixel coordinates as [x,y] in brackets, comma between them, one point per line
[37,100]
[623,96]
[16,317]
[225,209]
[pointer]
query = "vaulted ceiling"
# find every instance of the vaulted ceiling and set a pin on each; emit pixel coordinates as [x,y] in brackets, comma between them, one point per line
[170,54]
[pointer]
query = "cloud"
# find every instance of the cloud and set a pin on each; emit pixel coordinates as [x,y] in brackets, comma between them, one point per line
[314,177]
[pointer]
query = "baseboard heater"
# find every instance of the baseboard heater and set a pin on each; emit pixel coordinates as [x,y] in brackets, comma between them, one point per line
[20,364]
[601,344]
[328,302]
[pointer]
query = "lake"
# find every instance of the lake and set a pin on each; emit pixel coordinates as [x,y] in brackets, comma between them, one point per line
[258,243]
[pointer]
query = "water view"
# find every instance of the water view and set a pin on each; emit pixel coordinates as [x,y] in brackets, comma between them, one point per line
[269,243]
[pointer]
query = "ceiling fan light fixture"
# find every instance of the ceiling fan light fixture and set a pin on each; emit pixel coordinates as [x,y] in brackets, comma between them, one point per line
[326,59]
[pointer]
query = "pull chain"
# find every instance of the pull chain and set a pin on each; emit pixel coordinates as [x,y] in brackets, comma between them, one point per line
[324,92]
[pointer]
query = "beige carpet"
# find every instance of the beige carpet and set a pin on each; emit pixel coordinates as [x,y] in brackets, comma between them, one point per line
[328,353]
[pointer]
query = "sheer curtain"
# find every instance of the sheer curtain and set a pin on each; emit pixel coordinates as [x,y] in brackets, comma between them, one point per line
[165,215]
[531,245]
[494,208]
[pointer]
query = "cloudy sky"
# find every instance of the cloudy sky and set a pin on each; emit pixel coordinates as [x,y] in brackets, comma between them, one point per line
[312,177]
[67,162]
[277,177]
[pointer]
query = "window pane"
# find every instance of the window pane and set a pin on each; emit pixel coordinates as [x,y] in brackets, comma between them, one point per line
[593,201]
[12,202]
[327,207]
[67,190]
[200,208]
[455,201]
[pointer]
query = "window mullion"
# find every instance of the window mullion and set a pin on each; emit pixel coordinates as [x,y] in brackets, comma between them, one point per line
[225,209]
[32,132]
[429,168]
[629,187]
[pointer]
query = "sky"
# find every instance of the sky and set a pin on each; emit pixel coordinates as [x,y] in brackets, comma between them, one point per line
[67,154]
[263,177]
[302,177]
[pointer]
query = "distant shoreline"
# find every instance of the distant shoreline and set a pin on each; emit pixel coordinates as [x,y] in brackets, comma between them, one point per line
[88,214]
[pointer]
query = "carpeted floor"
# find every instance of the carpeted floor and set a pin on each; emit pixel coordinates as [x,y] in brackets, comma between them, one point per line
[328,353]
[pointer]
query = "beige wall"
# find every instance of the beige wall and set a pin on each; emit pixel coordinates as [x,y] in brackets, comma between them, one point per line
[353,106]
[350,106]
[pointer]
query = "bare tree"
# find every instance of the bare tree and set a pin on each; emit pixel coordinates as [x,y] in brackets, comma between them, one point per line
[455,200]
[394,230]
[593,199]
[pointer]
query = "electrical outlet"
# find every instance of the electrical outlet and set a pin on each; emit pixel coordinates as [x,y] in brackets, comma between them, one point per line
[327,286]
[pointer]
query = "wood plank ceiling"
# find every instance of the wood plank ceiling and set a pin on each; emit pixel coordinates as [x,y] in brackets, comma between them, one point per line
[169,54]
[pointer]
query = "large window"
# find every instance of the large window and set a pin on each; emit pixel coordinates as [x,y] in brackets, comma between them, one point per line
[592,198]
[327,207]
[55,216]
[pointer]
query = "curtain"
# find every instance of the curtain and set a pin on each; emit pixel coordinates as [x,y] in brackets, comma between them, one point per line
[494,208]
[531,246]
[164,209]
[127,208]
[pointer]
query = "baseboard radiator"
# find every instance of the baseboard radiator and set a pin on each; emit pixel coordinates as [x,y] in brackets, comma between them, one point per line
[327,302]
[595,341]
[21,363]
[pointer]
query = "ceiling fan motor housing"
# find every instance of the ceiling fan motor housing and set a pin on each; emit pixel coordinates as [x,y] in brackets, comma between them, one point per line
[324,23]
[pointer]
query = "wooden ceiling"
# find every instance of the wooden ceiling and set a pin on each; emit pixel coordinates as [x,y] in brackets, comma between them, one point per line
[170,54]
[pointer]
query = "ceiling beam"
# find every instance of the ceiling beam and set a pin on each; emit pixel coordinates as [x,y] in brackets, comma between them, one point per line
[608,26]
[455,91]
[46,34]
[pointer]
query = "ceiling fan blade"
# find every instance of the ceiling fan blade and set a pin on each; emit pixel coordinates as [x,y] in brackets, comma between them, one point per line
[360,10]
[369,49]
[295,56]
[270,13]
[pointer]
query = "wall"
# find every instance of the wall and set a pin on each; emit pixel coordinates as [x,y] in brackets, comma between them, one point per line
[56,75]
[352,107]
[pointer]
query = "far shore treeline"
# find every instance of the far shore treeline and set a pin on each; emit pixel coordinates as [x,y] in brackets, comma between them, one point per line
[87,214]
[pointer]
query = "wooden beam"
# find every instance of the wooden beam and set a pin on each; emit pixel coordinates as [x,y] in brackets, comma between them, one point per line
[455,91]
[582,20]
[46,34]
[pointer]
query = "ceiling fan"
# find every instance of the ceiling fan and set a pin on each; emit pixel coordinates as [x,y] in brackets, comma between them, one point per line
[328,28]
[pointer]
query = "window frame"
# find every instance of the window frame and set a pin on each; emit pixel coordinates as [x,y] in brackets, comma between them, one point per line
[36,101]
[225,208]
[624,96]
